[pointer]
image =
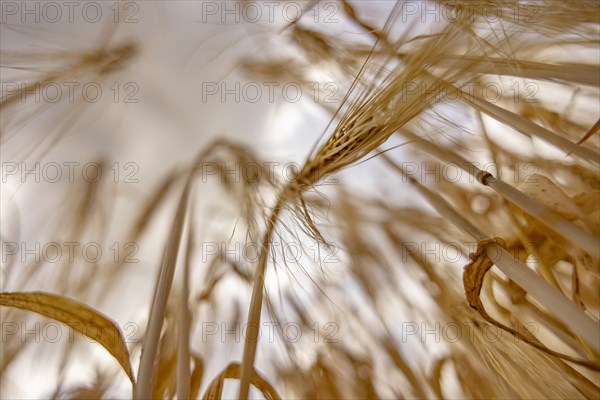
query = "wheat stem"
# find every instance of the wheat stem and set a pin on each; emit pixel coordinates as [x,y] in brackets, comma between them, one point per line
[183,328]
[550,297]
[253,322]
[540,212]
[526,127]
[146,371]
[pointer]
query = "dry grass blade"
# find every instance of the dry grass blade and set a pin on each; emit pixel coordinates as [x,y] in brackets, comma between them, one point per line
[78,316]
[163,384]
[196,378]
[253,325]
[146,372]
[215,390]
[436,376]
[184,324]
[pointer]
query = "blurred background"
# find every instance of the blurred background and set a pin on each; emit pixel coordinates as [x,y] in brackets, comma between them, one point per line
[107,106]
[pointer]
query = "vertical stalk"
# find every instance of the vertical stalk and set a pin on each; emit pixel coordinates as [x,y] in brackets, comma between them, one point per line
[253,322]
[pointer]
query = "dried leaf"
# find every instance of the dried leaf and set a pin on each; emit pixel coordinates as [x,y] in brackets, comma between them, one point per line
[475,272]
[232,371]
[196,378]
[150,344]
[78,316]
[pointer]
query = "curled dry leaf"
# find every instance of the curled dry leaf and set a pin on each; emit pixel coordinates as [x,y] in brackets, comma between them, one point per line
[473,281]
[78,316]
[475,272]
